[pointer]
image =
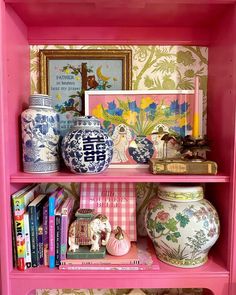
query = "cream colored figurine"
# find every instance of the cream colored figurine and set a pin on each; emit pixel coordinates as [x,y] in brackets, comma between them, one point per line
[89,229]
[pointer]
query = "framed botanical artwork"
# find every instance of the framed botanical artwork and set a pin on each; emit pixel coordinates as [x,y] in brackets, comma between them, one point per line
[67,74]
[137,121]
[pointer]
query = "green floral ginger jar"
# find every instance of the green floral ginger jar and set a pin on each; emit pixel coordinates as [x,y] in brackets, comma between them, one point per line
[182,225]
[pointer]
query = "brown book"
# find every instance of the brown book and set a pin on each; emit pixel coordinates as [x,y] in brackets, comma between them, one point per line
[178,166]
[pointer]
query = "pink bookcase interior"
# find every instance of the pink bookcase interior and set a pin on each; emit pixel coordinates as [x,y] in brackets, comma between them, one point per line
[208,23]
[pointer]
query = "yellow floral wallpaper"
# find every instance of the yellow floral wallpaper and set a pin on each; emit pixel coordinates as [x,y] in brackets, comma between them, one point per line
[153,68]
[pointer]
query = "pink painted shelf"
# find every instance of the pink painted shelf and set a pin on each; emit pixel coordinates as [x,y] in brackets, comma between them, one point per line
[209,23]
[116,175]
[212,269]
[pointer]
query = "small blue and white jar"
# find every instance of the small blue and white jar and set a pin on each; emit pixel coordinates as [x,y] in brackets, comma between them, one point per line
[87,148]
[40,135]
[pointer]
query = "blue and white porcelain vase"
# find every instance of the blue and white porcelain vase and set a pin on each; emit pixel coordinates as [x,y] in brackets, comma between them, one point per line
[40,135]
[87,148]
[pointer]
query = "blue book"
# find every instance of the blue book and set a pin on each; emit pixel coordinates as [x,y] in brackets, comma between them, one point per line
[35,210]
[54,202]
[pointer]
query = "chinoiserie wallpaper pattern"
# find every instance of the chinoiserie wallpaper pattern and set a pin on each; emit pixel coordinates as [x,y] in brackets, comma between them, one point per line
[153,68]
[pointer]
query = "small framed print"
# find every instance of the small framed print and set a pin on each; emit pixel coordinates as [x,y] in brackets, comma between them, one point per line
[67,74]
[137,120]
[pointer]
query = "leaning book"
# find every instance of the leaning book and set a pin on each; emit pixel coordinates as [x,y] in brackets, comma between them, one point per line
[20,201]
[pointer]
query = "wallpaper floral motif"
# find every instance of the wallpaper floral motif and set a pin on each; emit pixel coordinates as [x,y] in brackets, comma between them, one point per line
[120,292]
[153,68]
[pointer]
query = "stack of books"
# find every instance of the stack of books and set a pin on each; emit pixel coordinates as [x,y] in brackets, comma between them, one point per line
[140,257]
[40,224]
[40,236]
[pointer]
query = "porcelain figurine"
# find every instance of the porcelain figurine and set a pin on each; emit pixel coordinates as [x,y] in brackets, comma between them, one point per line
[89,229]
[40,135]
[182,225]
[87,148]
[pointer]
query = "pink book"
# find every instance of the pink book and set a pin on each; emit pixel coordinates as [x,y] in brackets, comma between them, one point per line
[130,258]
[115,200]
[146,257]
[54,201]
[109,267]
[66,213]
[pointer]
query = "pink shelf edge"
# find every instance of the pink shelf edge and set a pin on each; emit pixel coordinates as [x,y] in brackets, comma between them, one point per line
[116,175]
[213,268]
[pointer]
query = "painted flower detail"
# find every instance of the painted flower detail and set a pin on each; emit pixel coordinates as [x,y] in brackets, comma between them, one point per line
[98,111]
[113,110]
[183,219]
[145,102]
[212,232]
[162,216]
[130,117]
[142,116]
[153,203]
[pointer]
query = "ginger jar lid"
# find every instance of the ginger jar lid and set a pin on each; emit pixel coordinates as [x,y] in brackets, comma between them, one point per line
[40,100]
[86,122]
[180,193]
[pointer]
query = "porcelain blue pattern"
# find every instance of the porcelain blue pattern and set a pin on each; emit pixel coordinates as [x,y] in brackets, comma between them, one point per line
[142,150]
[40,136]
[87,148]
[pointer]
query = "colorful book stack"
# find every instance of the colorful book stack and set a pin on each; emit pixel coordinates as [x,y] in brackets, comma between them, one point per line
[20,201]
[40,224]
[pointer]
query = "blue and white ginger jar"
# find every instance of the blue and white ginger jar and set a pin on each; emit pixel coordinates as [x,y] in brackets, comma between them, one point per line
[87,148]
[40,135]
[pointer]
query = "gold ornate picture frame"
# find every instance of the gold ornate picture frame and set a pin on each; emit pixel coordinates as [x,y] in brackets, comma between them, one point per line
[67,74]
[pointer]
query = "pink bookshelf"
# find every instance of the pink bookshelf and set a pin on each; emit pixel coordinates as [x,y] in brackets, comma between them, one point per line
[143,22]
[117,174]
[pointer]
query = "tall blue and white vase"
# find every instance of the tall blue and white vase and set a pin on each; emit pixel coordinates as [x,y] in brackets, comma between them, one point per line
[40,135]
[87,148]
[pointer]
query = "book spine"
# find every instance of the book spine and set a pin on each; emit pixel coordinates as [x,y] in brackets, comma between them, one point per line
[14,255]
[132,261]
[65,219]
[64,228]
[54,201]
[28,260]
[51,230]
[45,234]
[40,244]
[33,235]
[57,239]
[111,267]
[18,216]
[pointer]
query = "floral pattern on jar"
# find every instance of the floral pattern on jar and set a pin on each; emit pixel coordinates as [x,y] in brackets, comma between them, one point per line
[40,136]
[182,231]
